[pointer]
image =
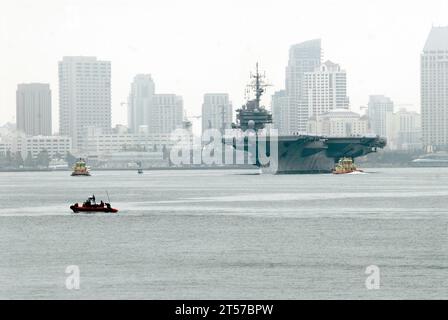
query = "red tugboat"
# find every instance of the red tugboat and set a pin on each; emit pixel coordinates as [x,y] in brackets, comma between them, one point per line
[90,206]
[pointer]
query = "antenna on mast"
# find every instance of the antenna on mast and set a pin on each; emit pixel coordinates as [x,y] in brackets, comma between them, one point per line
[258,85]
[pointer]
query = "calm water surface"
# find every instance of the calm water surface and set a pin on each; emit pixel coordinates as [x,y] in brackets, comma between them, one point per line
[226,235]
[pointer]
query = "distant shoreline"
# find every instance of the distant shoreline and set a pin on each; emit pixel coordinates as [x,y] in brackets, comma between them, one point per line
[236,167]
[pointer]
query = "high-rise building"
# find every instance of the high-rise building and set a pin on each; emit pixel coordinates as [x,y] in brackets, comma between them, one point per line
[407,130]
[139,101]
[216,111]
[33,109]
[303,57]
[166,114]
[324,89]
[84,97]
[434,89]
[151,113]
[380,113]
[279,105]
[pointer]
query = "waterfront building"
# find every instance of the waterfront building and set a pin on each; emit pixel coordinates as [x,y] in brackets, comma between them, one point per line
[99,143]
[19,142]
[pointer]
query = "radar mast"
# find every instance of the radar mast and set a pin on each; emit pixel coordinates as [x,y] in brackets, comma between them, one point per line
[257,85]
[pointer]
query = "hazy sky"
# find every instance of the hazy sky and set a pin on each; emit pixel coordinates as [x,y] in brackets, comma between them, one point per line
[193,47]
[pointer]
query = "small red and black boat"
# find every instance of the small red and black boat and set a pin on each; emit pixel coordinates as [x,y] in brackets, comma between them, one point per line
[90,206]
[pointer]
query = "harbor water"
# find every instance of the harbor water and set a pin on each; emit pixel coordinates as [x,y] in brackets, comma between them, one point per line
[226,234]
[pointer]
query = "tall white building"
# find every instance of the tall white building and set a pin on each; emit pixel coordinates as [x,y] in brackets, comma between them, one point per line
[380,113]
[139,101]
[279,105]
[33,108]
[303,57]
[324,89]
[434,89]
[216,111]
[84,97]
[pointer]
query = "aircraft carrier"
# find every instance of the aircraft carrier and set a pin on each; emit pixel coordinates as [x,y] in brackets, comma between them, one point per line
[295,153]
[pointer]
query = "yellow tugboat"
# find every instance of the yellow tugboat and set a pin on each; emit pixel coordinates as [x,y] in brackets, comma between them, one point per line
[345,165]
[80,168]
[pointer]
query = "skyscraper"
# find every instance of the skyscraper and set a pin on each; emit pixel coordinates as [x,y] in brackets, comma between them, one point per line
[33,109]
[434,89]
[84,97]
[380,113]
[303,57]
[153,113]
[216,111]
[139,101]
[279,105]
[324,89]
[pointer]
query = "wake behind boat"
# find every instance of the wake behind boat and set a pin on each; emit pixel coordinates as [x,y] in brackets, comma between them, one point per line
[90,206]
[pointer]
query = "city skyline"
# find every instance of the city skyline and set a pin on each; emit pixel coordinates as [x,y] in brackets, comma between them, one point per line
[218,59]
[215,158]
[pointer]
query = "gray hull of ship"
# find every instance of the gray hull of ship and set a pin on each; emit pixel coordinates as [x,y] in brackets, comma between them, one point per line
[310,154]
